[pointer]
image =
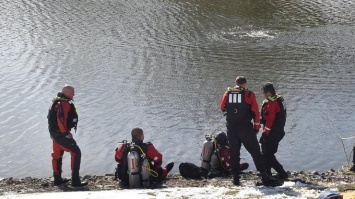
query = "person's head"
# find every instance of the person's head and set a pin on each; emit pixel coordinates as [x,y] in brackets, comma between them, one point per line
[68,91]
[137,134]
[241,81]
[268,90]
[222,139]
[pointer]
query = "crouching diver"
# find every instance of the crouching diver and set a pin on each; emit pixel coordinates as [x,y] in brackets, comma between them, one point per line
[215,156]
[139,163]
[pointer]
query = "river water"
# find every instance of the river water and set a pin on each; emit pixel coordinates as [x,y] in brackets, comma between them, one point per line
[164,66]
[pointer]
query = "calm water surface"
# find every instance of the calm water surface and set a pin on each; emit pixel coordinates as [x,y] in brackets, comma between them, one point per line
[163,66]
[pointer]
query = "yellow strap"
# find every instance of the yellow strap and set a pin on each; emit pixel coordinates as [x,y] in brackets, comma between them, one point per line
[150,171]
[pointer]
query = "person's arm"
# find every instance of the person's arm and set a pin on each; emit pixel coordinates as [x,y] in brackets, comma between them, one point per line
[224,101]
[251,99]
[154,155]
[62,116]
[119,154]
[271,109]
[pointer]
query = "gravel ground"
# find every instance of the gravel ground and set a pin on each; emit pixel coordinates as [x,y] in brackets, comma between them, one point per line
[342,180]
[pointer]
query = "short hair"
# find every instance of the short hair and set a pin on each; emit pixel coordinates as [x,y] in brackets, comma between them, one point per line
[136,133]
[268,87]
[240,80]
[67,87]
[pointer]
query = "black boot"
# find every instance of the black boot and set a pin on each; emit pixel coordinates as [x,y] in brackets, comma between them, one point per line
[75,182]
[244,166]
[236,179]
[282,176]
[58,180]
[270,182]
[169,167]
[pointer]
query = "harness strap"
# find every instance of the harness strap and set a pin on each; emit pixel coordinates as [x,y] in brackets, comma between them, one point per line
[135,173]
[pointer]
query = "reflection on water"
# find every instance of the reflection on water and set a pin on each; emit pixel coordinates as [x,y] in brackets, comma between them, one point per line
[163,66]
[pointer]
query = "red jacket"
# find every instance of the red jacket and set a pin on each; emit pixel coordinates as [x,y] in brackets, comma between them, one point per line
[249,100]
[269,110]
[152,155]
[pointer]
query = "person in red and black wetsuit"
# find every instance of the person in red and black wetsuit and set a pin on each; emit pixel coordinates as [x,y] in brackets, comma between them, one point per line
[153,156]
[241,107]
[273,118]
[62,117]
[223,165]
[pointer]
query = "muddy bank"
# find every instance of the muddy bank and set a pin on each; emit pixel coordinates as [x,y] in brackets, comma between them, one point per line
[342,180]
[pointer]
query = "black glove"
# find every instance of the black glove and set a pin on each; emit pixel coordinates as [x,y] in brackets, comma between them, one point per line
[263,138]
[256,128]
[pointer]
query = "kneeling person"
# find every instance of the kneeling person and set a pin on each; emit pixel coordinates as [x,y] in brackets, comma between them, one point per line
[139,163]
[216,156]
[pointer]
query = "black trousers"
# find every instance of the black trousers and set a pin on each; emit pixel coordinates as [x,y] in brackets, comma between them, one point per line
[269,147]
[243,134]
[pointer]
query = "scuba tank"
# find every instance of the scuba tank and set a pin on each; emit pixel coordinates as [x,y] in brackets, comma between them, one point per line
[133,168]
[207,150]
[145,173]
[214,161]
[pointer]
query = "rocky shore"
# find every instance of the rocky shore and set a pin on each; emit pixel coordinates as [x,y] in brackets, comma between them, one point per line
[340,180]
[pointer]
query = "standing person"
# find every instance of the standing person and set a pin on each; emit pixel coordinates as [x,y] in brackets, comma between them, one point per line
[241,107]
[273,117]
[62,117]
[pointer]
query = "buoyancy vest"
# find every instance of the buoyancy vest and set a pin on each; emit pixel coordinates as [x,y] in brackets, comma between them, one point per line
[72,118]
[280,118]
[224,159]
[221,150]
[238,110]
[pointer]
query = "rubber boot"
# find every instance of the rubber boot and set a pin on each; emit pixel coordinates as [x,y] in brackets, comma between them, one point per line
[76,182]
[243,166]
[282,175]
[169,167]
[270,182]
[236,179]
[58,180]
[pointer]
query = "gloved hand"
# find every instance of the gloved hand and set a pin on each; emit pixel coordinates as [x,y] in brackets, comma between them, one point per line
[256,128]
[69,136]
[266,130]
[263,138]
